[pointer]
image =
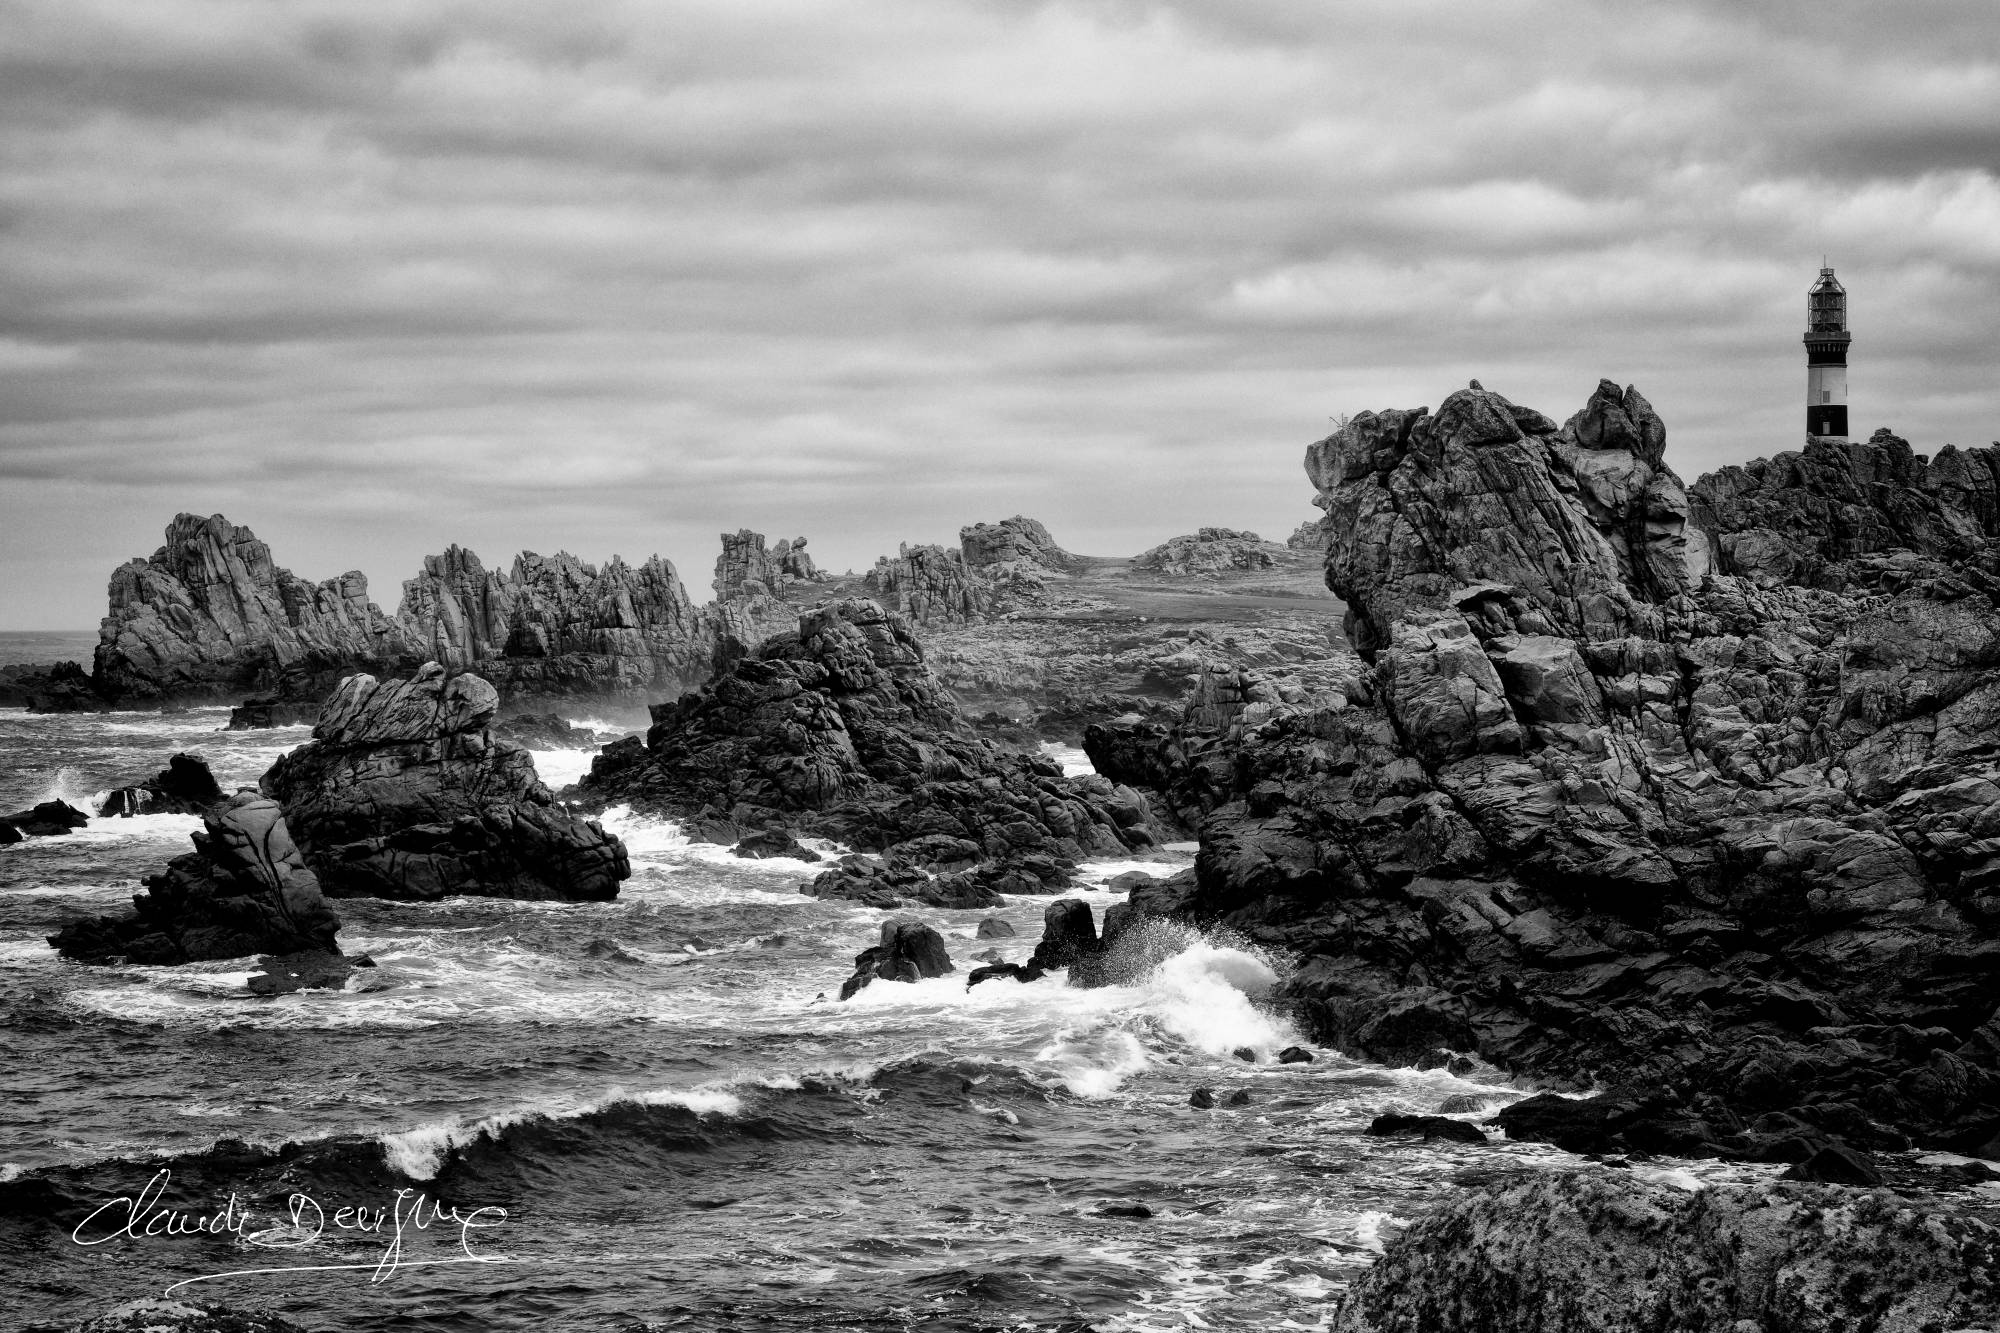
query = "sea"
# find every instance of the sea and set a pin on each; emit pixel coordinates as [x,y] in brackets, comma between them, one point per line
[655,1113]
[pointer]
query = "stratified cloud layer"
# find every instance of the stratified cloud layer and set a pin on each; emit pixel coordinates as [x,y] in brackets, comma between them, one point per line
[373,277]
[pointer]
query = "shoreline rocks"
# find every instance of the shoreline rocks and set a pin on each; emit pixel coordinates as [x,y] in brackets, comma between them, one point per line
[403,792]
[909,951]
[1597,1251]
[184,787]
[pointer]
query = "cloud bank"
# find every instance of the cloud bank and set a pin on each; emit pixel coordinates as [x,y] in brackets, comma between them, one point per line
[614,277]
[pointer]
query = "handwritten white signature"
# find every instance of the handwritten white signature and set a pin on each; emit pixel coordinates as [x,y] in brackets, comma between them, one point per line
[409,1213]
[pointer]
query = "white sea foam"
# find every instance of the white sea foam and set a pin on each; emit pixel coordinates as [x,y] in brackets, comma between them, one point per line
[1075,763]
[560,768]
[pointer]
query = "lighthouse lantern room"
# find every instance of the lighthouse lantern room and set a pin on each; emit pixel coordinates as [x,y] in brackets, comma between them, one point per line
[1826,358]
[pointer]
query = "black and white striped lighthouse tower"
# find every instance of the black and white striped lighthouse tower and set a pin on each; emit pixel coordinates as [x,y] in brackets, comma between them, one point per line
[1826,358]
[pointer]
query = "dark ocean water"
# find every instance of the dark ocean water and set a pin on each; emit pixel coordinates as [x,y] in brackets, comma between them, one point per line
[669,1120]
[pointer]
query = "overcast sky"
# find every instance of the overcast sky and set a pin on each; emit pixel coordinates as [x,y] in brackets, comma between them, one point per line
[376,277]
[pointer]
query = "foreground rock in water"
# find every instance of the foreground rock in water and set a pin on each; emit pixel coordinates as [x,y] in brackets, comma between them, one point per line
[909,951]
[245,889]
[842,731]
[50,819]
[1596,814]
[183,787]
[403,793]
[1554,1251]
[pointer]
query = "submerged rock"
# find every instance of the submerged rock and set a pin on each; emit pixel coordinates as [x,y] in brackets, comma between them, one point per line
[1552,1251]
[909,951]
[256,714]
[404,793]
[1430,1126]
[245,889]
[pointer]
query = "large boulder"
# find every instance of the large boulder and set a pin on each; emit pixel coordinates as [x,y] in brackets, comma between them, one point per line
[909,951]
[1016,541]
[403,792]
[930,586]
[1598,1251]
[49,819]
[842,730]
[245,889]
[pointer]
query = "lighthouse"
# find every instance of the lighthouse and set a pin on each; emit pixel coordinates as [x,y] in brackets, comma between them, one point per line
[1826,358]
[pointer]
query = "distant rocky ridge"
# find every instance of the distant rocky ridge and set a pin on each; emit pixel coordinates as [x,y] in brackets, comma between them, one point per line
[1595,809]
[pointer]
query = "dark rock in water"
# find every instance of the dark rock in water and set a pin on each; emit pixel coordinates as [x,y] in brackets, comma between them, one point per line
[257,714]
[1130,880]
[305,971]
[184,787]
[909,951]
[1201,1099]
[544,731]
[245,889]
[1295,1055]
[1430,1126]
[1246,1054]
[891,884]
[841,730]
[1551,1251]
[1240,1097]
[1124,1208]
[996,970]
[1836,1164]
[995,928]
[9,834]
[170,1316]
[63,688]
[1069,934]
[1462,1104]
[50,819]
[775,842]
[404,793]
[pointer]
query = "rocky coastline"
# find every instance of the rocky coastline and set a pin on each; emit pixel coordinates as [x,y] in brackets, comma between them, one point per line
[1682,800]
[1621,801]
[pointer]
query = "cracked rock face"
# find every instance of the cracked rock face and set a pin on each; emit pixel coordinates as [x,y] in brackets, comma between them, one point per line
[1606,1251]
[404,792]
[245,889]
[1595,814]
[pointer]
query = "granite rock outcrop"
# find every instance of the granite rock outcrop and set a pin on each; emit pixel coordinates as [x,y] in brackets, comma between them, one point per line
[747,569]
[245,889]
[1013,541]
[1594,811]
[184,787]
[930,585]
[1209,551]
[404,792]
[842,731]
